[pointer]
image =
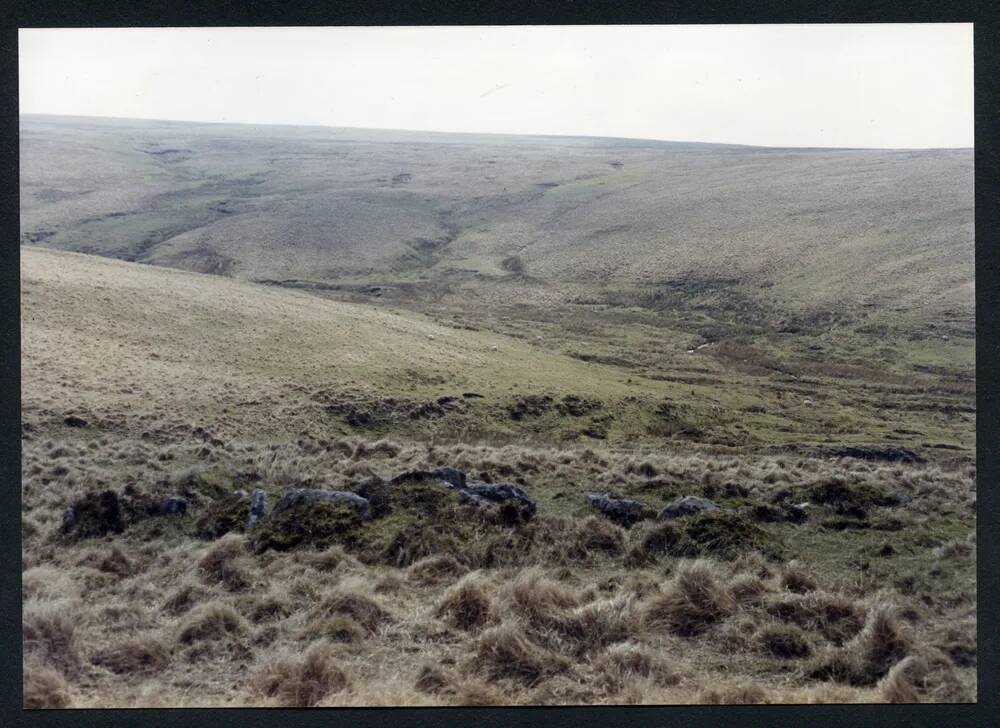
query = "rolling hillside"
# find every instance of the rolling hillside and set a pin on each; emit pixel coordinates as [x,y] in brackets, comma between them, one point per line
[865,233]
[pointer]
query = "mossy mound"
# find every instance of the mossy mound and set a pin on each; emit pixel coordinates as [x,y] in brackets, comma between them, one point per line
[725,535]
[224,515]
[319,524]
[845,499]
[722,534]
[95,514]
[204,486]
[425,496]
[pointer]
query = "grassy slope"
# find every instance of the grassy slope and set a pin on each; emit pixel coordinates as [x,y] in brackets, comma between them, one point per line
[797,229]
[146,348]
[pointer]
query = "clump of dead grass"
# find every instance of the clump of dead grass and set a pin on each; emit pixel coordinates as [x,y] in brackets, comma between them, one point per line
[784,641]
[869,656]
[467,604]
[49,634]
[350,599]
[211,621]
[44,687]
[693,602]
[223,563]
[302,680]
[505,653]
[138,655]
[436,570]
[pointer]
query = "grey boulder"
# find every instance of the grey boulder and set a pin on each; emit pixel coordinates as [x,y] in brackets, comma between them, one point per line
[301,496]
[687,505]
[478,493]
[620,510]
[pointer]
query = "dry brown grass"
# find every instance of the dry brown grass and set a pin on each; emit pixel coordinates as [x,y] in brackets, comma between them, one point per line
[505,653]
[436,570]
[693,602]
[138,655]
[351,600]
[468,604]
[49,634]
[302,680]
[211,621]
[43,687]
[224,561]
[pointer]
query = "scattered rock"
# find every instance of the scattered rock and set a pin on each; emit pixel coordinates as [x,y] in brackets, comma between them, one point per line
[575,406]
[530,406]
[300,496]
[687,505]
[880,453]
[620,510]
[481,494]
[173,505]
[74,421]
[258,507]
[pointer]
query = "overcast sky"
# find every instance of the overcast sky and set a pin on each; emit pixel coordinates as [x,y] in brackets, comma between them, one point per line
[902,85]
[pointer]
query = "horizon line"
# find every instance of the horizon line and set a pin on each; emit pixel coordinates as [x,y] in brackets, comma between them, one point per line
[500,134]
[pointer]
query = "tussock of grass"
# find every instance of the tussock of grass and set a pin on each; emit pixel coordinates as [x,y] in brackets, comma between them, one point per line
[302,680]
[211,621]
[836,617]
[694,601]
[747,589]
[43,687]
[796,579]
[505,653]
[784,641]
[432,680]
[49,634]
[624,662]
[268,608]
[467,605]
[868,657]
[183,598]
[339,628]
[595,536]
[350,600]
[927,677]
[223,563]
[134,656]
[536,598]
[436,569]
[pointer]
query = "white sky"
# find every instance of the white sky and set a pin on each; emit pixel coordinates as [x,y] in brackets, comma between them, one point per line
[880,85]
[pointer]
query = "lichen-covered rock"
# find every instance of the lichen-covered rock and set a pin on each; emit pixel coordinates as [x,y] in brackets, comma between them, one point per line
[687,505]
[451,477]
[302,496]
[622,511]
[481,494]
